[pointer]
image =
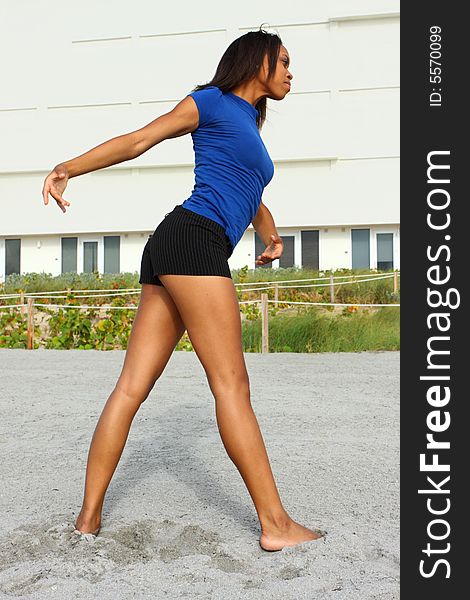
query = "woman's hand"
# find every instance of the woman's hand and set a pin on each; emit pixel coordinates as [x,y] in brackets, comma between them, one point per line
[55,184]
[273,251]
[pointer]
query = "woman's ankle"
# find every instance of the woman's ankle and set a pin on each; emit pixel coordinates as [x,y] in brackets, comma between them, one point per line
[277,521]
[89,517]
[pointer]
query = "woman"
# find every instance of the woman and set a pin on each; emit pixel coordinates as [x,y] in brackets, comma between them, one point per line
[186,281]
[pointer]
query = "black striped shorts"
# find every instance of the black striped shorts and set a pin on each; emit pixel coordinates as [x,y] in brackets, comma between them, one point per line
[185,243]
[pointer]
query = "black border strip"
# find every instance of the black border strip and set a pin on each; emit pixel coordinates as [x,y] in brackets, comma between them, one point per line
[433,133]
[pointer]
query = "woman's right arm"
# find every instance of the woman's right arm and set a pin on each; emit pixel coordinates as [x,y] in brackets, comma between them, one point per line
[181,120]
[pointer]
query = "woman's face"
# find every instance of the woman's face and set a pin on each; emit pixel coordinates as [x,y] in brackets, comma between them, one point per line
[279,85]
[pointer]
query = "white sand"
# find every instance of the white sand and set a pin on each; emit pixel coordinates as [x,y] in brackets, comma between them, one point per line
[178,521]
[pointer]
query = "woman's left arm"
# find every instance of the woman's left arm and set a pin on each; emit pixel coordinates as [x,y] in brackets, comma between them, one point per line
[263,223]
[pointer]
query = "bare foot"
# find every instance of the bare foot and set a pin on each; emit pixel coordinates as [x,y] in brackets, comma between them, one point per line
[291,534]
[88,523]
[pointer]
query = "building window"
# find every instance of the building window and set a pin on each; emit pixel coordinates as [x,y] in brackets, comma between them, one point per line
[310,245]
[259,249]
[90,257]
[12,257]
[111,254]
[360,240]
[69,255]
[384,251]
[287,257]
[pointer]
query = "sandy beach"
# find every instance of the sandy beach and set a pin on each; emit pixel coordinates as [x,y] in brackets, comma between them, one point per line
[178,521]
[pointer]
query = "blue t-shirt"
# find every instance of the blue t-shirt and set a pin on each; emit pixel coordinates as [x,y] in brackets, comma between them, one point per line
[232,165]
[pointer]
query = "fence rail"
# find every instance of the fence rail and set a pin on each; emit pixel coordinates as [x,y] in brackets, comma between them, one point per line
[269,284]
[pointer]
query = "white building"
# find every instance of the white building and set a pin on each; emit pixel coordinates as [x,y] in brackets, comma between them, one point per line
[77,78]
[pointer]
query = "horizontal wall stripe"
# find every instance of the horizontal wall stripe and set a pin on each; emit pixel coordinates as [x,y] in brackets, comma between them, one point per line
[368,157]
[190,165]
[372,88]
[19,108]
[283,25]
[327,20]
[110,39]
[104,104]
[365,16]
[189,32]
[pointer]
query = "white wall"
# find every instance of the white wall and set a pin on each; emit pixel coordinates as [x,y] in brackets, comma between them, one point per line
[78,76]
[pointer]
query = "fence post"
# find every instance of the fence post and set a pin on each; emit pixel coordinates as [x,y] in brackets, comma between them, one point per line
[276,294]
[22,304]
[332,289]
[264,323]
[30,333]
[395,282]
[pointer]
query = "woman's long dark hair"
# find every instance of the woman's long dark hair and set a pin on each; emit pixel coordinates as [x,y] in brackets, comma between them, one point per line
[241,63]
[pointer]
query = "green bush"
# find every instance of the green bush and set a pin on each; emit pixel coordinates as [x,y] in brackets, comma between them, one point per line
[14,328]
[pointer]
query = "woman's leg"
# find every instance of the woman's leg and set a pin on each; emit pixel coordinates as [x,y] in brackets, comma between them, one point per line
[155,332]
[209,308]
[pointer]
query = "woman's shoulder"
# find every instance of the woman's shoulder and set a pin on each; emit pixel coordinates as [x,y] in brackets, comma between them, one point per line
[207,102]
[209,91]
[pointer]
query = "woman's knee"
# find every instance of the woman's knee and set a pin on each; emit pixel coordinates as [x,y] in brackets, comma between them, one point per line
[229,384]
[133,394]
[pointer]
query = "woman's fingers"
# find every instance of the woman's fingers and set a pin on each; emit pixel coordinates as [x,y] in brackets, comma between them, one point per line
[54,185]
[62,203]
[263,259]
[54,192]
[272,252]
[46,191]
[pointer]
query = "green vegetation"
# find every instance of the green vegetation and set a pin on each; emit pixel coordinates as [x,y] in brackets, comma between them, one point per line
[13,329]
[46,282]
[292,328]
[317,331]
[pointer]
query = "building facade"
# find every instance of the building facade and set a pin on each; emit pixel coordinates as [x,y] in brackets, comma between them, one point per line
[88,76]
